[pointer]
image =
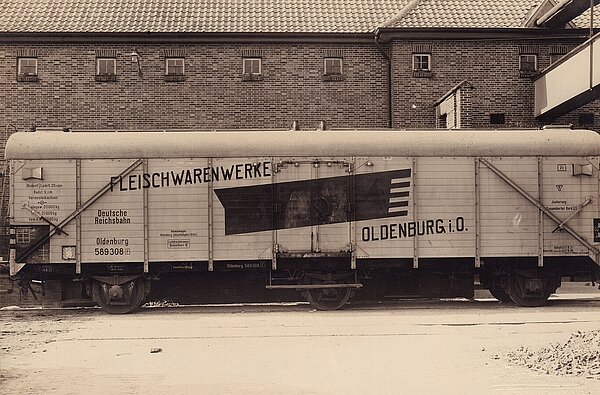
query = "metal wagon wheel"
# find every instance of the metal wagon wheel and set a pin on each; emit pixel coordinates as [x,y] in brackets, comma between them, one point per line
[500,294]
[530,289]
[119,299]
[492,283]
[326,298]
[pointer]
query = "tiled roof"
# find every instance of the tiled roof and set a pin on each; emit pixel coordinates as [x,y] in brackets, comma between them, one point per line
[260,16]
[468,13]
[583,20]
[198,16]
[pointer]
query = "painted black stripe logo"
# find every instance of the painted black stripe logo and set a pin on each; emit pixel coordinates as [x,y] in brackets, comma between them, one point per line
[315,202]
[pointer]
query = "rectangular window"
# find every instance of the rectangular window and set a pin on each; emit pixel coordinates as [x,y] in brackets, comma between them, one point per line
[106,66]
[174,66]
[332,66]
[528,62]
[23,235]
[252,66]
[497,119]
[27,66]
[421,62]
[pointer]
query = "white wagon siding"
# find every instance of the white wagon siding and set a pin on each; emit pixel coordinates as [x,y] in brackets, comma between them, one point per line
[238,199]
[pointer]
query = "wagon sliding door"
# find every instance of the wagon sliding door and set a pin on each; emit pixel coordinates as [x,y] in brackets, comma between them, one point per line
[312,200]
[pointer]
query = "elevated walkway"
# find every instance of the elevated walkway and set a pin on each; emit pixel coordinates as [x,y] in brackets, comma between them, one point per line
[563,12]
[571,82]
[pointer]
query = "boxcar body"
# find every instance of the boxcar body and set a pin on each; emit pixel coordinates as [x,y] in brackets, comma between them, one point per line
[321,212]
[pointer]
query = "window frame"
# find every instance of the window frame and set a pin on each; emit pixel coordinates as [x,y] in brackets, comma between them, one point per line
[415,61]
[175,58]
[23,235]
[248,59]
[330,59]
[20,66]
[100,59]
[535,63]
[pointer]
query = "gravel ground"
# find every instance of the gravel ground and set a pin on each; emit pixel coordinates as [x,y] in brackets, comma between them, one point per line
[408,347]
[578,356]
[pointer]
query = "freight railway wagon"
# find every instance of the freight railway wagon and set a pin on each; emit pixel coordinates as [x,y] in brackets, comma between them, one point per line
[321,212]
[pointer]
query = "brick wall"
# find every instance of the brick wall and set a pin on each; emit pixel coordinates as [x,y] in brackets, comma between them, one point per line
[491,67]
[212,95]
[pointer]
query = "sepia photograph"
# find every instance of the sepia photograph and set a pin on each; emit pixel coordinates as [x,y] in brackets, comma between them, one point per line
[300,197]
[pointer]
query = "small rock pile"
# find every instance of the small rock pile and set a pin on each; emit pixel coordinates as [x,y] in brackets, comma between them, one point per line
[578,356]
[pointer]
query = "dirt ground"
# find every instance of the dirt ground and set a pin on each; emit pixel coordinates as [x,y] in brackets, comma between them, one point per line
[408,347]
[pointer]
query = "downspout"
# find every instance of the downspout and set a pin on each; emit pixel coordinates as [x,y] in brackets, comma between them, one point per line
[388,61]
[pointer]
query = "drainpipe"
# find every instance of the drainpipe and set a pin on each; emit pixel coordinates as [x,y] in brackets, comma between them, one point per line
[388,61]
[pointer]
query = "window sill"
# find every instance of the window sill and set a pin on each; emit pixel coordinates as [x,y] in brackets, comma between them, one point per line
[175,78]
[528,73]
[333,77]
[27,78]
[252,77]
[422,74]
[106,77]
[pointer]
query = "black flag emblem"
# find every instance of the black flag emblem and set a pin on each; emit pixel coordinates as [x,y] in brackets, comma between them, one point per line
[315,202]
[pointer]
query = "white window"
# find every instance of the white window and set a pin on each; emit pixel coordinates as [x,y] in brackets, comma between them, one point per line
[333,66]
[174,66]
[422,62]
[27,66]
[23,235]
[106,66]
[252,66]
[528,62]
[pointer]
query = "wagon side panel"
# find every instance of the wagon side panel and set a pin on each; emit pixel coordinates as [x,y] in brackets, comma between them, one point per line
[43,188]
[571,192]
[242,208]
[177,210]
[383,194]
[112,227]
[509,222]
[446,203]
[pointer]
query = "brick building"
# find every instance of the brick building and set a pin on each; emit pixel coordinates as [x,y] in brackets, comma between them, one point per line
[183,64]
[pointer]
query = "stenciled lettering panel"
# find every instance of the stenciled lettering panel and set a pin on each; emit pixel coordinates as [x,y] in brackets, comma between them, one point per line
[570,185]
[43,188]
[44,194]
[112,226]
[177,209]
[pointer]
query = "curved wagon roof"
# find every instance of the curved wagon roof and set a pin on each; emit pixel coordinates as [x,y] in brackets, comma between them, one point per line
[134,145]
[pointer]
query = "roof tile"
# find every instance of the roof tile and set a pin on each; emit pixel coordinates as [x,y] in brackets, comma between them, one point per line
[468,13]
[257,16]
[181,16]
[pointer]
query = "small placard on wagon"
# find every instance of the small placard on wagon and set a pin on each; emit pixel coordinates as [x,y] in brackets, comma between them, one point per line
[178,244]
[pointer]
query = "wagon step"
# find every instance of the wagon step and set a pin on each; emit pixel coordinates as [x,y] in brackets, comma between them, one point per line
[314,286]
